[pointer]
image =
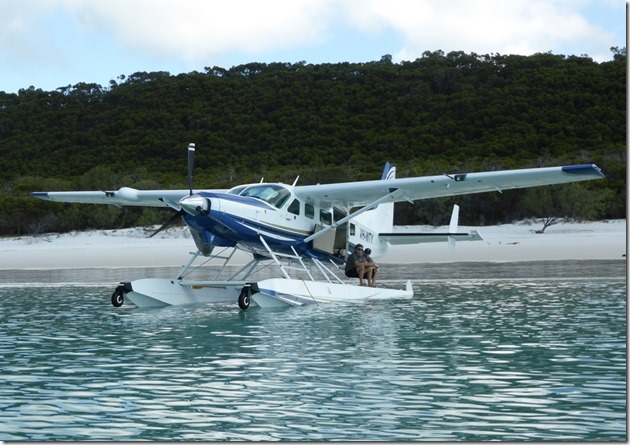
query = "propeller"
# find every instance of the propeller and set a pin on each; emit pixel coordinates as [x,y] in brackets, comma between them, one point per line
[173,219]
[181,212]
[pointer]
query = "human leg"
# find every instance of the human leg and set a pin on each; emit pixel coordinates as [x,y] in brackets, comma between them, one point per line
[361,272]
[375,271]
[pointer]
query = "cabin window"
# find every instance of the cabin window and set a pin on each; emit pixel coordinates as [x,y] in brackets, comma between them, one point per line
[352,229]
[294,207]
[309,211]
[338,214]
[325,217]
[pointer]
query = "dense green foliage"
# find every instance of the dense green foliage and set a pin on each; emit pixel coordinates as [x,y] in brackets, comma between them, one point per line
[442,113]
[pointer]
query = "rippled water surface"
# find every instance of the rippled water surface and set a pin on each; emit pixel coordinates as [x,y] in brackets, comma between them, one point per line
[495,359]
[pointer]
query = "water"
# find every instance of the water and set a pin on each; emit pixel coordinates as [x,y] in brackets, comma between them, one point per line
[525,358]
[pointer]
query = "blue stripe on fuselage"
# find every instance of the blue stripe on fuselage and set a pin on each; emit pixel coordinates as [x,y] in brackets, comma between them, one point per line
[239,229]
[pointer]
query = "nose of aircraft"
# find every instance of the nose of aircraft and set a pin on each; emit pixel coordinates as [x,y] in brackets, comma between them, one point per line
[195,205]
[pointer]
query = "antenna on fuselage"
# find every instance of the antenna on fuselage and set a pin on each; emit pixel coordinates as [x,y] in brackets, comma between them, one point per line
[296,180]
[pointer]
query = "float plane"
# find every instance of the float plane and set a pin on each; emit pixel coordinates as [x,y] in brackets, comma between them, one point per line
[301,229]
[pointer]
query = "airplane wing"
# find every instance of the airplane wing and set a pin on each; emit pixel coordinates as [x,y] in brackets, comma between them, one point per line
[126,196]
[353,194]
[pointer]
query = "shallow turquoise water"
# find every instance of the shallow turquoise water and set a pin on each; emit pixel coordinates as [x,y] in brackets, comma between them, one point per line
[523,359]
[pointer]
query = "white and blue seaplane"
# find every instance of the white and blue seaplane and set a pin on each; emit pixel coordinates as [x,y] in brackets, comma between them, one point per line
[300,230]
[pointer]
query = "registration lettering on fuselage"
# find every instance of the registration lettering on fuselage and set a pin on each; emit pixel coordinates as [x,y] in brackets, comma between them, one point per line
[366,236]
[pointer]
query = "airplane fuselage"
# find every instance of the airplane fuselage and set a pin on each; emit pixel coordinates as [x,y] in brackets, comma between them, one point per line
[240,217]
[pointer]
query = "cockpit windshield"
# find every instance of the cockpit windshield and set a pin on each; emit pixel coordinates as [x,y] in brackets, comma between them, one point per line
[274,194]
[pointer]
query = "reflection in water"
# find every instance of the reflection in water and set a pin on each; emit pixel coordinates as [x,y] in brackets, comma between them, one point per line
[463,360]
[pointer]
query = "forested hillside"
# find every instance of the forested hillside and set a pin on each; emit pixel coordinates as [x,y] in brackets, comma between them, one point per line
[442,113]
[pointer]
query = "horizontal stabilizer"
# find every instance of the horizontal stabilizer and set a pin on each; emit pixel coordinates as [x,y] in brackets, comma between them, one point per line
[416,238]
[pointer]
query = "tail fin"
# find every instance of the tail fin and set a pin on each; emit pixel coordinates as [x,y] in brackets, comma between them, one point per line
[368,225]
[380,219]
[389,172]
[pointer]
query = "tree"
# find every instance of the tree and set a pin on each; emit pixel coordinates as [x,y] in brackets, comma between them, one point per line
[570,202]
[441,113]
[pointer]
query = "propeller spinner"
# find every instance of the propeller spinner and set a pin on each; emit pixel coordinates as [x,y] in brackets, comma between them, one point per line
[195,205]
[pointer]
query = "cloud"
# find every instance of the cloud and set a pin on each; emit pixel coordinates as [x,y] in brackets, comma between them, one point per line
[18,39]
[198,29]
[482,26]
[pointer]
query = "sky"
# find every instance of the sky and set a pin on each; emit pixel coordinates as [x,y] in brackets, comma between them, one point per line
[50,44]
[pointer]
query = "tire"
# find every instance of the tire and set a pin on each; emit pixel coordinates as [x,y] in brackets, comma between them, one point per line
[244,297]
[118,297]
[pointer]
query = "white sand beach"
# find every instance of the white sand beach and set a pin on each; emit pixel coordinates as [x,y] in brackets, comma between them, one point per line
[128,248]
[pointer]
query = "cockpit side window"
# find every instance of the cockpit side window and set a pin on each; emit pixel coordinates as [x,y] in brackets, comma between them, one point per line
[294,207]
[279,200]
[237,190]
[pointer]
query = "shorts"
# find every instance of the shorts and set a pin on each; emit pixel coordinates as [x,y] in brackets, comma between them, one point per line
[353,273]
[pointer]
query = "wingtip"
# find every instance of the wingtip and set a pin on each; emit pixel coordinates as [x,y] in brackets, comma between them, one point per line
[40,195]
[584,170]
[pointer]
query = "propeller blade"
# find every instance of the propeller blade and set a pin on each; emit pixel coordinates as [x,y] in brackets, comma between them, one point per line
[169,222]
[191,166]
[181,212]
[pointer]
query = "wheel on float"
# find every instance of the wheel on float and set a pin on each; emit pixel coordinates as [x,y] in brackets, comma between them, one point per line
[244,297]
[118,297]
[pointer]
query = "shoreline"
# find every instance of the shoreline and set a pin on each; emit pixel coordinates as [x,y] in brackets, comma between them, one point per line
[418,273]
[130,248]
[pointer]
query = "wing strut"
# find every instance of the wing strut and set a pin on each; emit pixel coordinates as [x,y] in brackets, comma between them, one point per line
[393,193]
